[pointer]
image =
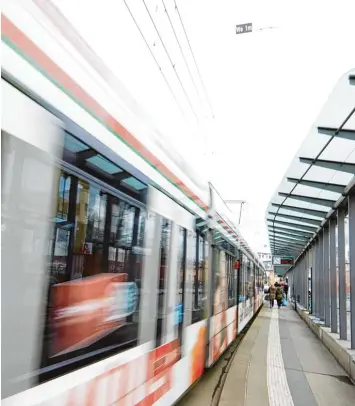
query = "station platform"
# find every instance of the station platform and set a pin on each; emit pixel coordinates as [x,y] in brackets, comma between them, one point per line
[281,362]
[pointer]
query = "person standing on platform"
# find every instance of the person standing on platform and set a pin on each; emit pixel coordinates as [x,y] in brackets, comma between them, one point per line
[279,295]
[272,295]
[286,290]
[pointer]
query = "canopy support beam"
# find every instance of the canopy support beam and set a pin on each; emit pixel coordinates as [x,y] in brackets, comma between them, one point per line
[317,223]
[333,165]
[309,199]
[346,134]
[316,213]
[331,187]
[294,225]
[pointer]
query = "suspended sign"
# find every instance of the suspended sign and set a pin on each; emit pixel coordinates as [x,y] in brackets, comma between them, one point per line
[282,260]
[276,260]
[244,28]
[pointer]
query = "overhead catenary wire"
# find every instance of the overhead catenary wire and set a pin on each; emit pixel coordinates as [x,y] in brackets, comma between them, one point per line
[171,62]
[155,60]
[182,52]
[193,56]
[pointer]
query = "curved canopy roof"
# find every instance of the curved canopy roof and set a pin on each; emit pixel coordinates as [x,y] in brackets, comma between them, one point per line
[319,177]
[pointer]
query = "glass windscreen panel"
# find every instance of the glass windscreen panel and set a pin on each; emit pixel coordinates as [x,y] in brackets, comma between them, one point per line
[94,264]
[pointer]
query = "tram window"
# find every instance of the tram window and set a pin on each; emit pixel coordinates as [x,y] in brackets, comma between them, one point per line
[199,278]
[162,288]
[181,279]
[230,277]
[220,282]
[89,160]
[94,255]
[242,279]
[249,285]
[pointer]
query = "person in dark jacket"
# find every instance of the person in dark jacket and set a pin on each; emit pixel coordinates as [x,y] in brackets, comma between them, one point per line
[279,295]
[286,290]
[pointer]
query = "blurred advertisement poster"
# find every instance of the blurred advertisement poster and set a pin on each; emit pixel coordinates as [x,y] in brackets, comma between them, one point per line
[87,248]
[198,354]
[88,309]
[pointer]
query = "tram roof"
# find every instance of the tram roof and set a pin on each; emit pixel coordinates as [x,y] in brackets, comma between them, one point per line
[320,176]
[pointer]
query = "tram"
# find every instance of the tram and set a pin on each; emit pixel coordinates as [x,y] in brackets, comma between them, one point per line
[123,278]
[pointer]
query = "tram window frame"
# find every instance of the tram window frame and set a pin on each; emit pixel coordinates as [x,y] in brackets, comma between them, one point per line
[51,367]
[200,269]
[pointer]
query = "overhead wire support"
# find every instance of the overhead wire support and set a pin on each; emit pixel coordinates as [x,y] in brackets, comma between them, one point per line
[193,56]
[155,59]
[168,55]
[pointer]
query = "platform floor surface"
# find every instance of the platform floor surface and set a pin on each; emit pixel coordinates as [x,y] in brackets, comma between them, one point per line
[280,362]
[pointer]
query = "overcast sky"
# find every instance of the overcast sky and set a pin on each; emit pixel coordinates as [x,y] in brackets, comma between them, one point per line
[265,88]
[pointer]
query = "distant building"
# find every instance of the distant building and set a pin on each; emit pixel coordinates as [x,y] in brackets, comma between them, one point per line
[266,259]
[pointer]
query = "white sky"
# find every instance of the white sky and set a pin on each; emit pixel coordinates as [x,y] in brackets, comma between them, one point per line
[266,88]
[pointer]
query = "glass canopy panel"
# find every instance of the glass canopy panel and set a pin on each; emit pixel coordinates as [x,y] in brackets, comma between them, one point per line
[351,157]
[315,192]
[338,150]
[342,178]
[313,144]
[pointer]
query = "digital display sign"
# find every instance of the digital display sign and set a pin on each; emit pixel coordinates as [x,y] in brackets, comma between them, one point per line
[286,261]
[283,261]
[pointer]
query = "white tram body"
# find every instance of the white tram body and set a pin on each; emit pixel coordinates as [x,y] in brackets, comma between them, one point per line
[122,277]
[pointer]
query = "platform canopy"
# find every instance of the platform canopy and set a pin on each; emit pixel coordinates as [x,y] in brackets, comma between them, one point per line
[320,176]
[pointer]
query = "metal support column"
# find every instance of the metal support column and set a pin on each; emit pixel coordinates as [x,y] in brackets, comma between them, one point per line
[351,210]
[310,264]
[314,305]
[309,287]
[306,279]
[342,277]
[326,275]
[295,273]
[333,277]
[306,259]
[298,283]
[303,279]
[317,270]
[321,278]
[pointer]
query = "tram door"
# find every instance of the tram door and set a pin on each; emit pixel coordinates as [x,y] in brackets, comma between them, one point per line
[167,273]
